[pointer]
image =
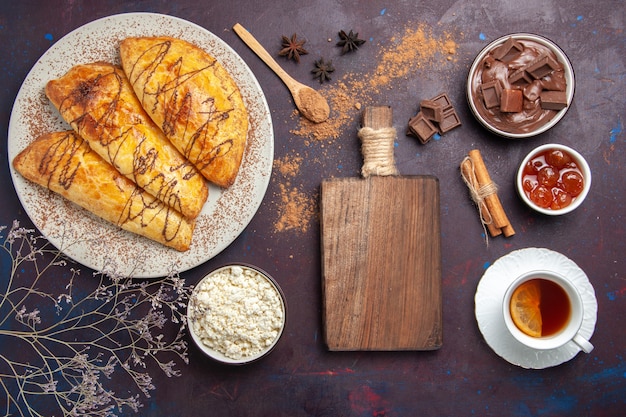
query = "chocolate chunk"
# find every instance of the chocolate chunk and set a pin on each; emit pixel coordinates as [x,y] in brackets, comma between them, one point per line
[555,81]
[509,50]
[520,78]
[512,101]
[421,127]
[432,110]
[436,115]
[553,100]
[443,100]
[532,90]
[492,91]
[450,121]
[542,66]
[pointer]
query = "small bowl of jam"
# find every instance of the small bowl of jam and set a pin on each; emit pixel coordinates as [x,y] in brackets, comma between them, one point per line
[520,85]
[553,179]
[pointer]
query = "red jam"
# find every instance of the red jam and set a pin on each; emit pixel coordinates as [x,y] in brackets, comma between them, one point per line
[552,179]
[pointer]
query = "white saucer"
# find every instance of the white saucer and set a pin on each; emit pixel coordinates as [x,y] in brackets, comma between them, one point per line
[488,300]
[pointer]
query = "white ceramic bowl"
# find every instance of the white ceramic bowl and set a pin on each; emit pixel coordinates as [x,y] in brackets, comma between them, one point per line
[576,157]
[236,314]
[483,115]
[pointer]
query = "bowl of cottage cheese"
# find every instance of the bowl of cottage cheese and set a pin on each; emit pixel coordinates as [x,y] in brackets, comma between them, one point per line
[236,314]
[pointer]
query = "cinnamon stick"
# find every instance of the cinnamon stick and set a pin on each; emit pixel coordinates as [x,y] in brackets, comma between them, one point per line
[470,175]
[500,220]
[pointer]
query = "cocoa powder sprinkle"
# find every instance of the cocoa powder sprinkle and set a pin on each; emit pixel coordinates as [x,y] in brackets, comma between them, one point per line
[296,209]
[417,48]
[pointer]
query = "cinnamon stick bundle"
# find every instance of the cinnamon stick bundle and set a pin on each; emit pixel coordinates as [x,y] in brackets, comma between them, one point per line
[484,194]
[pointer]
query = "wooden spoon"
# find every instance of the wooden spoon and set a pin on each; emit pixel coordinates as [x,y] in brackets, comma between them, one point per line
[310,103]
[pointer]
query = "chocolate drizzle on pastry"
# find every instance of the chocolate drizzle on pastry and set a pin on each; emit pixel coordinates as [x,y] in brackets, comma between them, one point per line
[64,163]
[99,103]
[194,101]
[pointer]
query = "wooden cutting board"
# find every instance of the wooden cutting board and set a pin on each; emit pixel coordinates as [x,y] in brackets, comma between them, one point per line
[381,263]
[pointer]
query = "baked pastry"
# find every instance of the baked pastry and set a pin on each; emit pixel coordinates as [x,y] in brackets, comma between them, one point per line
[99,103]
[65,164]
[193,99]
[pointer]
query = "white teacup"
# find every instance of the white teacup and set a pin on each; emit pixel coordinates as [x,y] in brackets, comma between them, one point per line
[568,332]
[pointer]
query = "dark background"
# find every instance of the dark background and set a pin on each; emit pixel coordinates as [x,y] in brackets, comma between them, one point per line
[465,377]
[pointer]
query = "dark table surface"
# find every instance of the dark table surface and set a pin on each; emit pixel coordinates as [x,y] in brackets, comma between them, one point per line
[465,377]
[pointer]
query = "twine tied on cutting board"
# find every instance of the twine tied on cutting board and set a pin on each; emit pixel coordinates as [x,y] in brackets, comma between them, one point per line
[377,150]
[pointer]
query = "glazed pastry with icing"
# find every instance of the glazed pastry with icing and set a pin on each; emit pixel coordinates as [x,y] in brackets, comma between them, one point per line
[99,103]
[193,99]
[65,164]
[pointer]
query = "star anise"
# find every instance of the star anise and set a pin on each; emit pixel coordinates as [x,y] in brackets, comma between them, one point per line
[293,48]
[349,41]
[322,70]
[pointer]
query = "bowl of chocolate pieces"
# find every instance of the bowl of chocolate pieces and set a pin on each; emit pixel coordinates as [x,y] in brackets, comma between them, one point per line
[520,85]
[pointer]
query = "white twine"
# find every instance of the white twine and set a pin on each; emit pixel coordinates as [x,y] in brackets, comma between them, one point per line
[377,149]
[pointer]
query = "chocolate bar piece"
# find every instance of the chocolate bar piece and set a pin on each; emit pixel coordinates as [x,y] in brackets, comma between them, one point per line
[450,121]
[509,50]
[520,77]
[421,127]
[436,115]
[443,100]
[532,90]
[553,100]
[542,66]
[512,101]
[492,91]
[432,110]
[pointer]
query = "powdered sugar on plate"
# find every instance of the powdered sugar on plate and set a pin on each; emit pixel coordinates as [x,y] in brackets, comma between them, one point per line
[102,246]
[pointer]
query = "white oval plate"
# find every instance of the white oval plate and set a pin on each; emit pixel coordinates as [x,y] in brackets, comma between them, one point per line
[94,242]
[488,301]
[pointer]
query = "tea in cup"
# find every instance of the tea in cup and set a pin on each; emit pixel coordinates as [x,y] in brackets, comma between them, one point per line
[543,310]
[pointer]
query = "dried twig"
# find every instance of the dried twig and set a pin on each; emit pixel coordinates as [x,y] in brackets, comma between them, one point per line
[62,353]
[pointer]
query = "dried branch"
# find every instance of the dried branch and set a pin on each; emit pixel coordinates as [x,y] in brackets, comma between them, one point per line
[65,340]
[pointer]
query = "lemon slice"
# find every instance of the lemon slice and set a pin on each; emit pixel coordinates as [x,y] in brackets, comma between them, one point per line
[524,307]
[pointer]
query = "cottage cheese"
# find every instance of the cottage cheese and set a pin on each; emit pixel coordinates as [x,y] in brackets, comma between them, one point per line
[237,312]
